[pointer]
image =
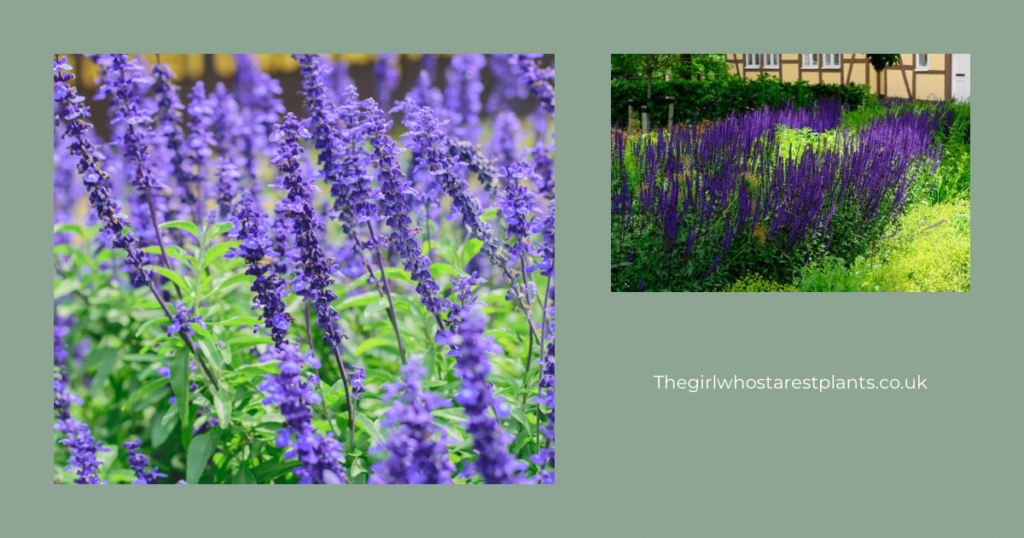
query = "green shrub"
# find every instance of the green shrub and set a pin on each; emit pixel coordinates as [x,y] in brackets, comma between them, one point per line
[930,251]
[717,98]
[757,283]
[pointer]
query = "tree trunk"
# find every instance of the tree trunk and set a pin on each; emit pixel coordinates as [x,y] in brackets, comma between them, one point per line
[650,77]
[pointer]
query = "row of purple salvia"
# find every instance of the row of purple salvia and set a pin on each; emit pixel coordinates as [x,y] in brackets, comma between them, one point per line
[731,171]
[516,212]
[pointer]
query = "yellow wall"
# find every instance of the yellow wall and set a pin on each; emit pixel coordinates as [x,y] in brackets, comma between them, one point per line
[790,72]
[895,86]
[931,86]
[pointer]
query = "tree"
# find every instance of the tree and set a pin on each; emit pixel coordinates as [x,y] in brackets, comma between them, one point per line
[702,66]
[880,62]
[645,65]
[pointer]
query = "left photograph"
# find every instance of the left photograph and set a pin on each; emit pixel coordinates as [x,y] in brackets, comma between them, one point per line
[304,268]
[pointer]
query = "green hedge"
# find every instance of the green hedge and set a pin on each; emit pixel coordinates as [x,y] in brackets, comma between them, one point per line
[717,98]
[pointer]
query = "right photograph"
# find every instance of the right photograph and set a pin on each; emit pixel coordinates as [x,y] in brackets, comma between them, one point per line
[790,172]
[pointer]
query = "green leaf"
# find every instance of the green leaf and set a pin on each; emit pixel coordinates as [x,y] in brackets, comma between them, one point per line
[268,471]
[179,384]
[471,249]
[161,431]
[146,389]
[171,275]
[69,228]
[220,249]
[199,453]
[148,324]
[372,343]
[106,357]
[451,415]
[243,341]
[244,476]
[142,358]
[219,228]
[489,214]
[235,280]
[518,414]
[183,225]
[376,306]
[222,404]
[239,320]
[65,286]
[445,269]
[358,300]
[370,427]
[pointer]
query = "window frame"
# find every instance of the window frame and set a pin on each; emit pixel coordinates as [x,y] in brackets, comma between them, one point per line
[766,65]
[748,65]
[804,58]
[917,62]
[825,65]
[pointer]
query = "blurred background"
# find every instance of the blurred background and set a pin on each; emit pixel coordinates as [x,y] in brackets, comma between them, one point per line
[359,68]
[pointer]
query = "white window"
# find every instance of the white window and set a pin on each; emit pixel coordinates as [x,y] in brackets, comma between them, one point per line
[921,62]
[771,61]
[831,61]
[753,61]
[810,61]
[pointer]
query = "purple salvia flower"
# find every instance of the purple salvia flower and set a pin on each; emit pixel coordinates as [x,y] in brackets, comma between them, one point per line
[227,174]
[517,207]
[320,456]
[250,230]
[540,157]
[465,300]
[116,226]
[546,249]
[83,450]
[394,190]
[313,268]
[387,75]
[503,146]
[357,380]
[200,143]
[168,131]
[353,189]
[125,76]
[507,88]
[493,462]
[536,79]
[462,96]
[416,448]
[139,462]
[182,321]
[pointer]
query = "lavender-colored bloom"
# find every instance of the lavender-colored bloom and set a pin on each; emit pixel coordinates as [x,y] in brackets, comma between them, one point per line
[540,157]
[352,189]
[115,224]
[250,230]
[357,380]
[313,269]
[493,462]
[200,143]
[507,88]
[517,207]
[394,207]
[320,456]
[536,79]
[547,246]
[182,321]
[465,300]
[416,448]
[227,184]
[83,450]
[168,132]
[122,86]
[139,462]
[503,146]
[462,95]
[387,76]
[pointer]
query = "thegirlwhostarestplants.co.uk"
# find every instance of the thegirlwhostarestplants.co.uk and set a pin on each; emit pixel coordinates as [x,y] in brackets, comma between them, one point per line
[819,384]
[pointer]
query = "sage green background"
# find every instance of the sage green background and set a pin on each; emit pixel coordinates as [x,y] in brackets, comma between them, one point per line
[632,461]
